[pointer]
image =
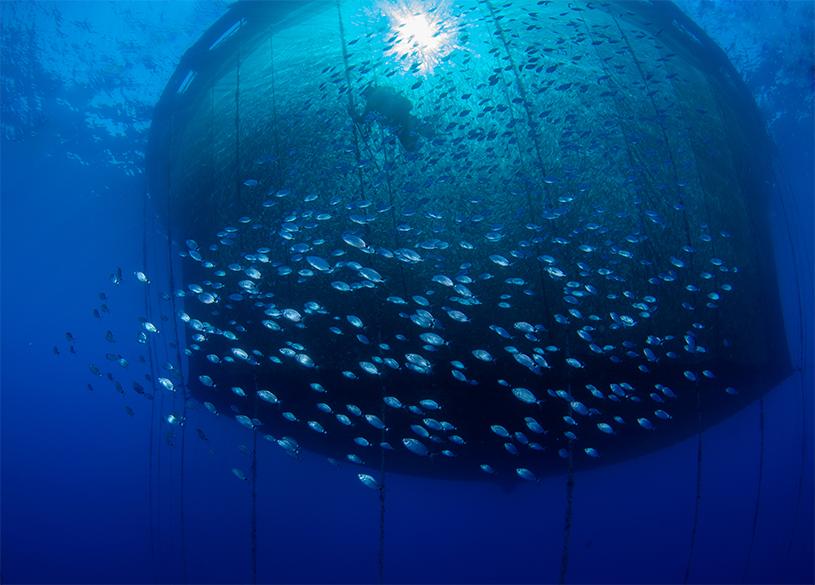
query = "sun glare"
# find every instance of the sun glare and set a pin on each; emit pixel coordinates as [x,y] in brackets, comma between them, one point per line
[419,35]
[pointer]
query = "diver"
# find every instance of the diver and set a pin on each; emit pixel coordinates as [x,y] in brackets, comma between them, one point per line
[392,110]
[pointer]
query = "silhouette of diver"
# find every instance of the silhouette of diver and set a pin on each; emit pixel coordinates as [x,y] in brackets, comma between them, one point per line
[392,110]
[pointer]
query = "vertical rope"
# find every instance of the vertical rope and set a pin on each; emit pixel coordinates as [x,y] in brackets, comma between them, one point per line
[158,396]
[276,134]
[532,208]
[801,369]
[533,133]
[154,471]
[179,367]
[698,499]
[254,525]
[358,159]
[394,222]
[567,521]
[661,126]
[640,190]
[758,489]
[351,104]
[238,128]
[150,511]
[382,494]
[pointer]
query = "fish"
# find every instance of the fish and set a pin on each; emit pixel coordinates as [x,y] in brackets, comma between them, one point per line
[368,481]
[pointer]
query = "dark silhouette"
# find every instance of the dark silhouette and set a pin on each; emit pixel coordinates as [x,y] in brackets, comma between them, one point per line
[392,110]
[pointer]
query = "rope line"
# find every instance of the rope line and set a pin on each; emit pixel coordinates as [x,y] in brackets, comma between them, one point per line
[567,521]
[698,499]
[150,506]
[758,490]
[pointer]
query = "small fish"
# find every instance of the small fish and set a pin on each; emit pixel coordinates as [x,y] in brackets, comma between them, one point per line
[318,263]
[428,404]
[116,277]
[526,474]
[268,396]
[483,355]
[499,260]
[368,481]
[375,421]
[354,241]
[500,431]
[524,395]
[415,446]
[645,423]
[316,427]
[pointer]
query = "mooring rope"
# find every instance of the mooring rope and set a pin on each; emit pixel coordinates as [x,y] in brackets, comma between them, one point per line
[358,158]
[381,556]
[567,521]
[802,363]
[698,499]
[351,105]
[641,187]
[533,215]
[179,365]
[275,127]
[382,411]
[661,127]
[238,127]
[533,133]
[147,311]
[156,411]
[758,489]
[254,472]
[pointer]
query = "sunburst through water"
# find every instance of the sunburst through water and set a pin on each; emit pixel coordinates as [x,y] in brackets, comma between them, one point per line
[421,35]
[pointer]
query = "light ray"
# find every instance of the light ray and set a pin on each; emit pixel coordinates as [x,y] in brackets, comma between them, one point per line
[421,36]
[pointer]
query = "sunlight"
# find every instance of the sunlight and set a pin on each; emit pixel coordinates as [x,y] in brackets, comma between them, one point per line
[419,37]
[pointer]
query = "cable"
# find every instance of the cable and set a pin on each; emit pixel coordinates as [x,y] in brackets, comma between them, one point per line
[147,311]
[254,524]
[179,367]
[362,196]
[801,369]
[567,521]
[758,490]
[698,499]
[382,499]
[545,187]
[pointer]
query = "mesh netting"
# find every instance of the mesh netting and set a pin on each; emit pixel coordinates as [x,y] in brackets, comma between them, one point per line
[607,153]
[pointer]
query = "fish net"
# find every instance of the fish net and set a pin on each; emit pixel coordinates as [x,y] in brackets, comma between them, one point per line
[593,179]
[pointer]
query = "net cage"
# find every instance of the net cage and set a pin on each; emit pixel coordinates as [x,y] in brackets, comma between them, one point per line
[579,191]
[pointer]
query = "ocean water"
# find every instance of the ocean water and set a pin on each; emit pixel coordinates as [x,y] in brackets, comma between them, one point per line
[98,485]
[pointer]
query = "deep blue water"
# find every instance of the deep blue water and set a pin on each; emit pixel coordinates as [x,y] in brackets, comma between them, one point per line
[75,465]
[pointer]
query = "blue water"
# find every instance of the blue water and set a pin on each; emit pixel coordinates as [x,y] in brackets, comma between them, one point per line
[79,81]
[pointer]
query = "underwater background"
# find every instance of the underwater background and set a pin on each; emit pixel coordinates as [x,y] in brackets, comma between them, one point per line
[97,487]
